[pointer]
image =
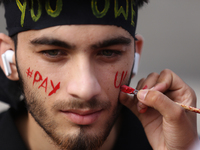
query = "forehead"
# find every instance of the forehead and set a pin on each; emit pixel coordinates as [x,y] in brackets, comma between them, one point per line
[76,33]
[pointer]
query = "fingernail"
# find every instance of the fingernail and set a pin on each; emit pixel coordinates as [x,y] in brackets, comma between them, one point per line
[141,107]
[152,88]
[142,94]
[143,110]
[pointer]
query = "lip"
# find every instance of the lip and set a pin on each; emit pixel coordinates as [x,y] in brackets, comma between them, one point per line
[82,117]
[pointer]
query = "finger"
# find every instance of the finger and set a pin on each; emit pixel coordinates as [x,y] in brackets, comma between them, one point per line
[140,84]
[148,82]
[142,108]
[168,80]
[175,120]
[158,101]
[175,88]
[130,101]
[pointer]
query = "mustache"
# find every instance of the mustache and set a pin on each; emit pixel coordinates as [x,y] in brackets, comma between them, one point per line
[76,103]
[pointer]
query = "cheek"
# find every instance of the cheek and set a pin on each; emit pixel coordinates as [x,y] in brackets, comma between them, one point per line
[115,76]
[123,72]
[119,79]
[112,81]
[42,83]
[122,75]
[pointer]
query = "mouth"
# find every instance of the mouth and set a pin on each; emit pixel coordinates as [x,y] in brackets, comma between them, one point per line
[82,117]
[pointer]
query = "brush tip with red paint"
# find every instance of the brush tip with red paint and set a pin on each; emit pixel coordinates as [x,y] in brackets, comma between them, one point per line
[130,90]
[127,89]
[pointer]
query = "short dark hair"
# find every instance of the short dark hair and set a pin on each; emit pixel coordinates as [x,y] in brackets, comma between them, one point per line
[140,3]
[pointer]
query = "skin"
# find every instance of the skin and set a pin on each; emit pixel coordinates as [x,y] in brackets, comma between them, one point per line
[85,70]
[163,119]
[167,125]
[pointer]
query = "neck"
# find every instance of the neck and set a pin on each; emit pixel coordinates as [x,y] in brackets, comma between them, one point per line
[36,138]
[33,135]
[112,137]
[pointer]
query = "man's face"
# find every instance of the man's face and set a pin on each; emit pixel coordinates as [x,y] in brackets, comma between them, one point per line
[71,77]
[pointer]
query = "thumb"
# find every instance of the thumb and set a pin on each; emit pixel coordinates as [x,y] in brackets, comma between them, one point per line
[160,102]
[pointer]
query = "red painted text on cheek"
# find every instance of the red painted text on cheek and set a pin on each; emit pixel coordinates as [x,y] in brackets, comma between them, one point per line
[37,78]
[54,88]
[123,76]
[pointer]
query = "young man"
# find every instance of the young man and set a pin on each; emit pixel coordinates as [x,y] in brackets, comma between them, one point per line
[71,58]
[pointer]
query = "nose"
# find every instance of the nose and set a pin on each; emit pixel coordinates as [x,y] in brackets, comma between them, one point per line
[84,82]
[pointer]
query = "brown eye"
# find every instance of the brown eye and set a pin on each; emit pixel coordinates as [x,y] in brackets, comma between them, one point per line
[110,53]
[107,53]
[52,53]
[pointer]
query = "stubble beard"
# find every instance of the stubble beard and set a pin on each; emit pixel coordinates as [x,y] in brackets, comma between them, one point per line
[82,140]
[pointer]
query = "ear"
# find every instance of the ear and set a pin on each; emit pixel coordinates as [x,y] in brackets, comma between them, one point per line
[6,43]
[138,47]
[139,43]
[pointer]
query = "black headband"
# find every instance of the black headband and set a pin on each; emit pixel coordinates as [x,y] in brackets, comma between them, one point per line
[37,14]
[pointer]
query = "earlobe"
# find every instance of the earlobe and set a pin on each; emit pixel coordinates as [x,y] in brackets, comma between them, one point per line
[7,59]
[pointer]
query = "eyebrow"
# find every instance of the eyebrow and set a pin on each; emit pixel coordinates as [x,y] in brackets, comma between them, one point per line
[52,42]
[121,40]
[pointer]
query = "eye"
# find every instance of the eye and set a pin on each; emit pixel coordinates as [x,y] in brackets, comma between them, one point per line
[107,53]
[53,53]
[110,53]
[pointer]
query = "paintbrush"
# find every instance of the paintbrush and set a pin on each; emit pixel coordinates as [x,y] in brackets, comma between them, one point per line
[130,90]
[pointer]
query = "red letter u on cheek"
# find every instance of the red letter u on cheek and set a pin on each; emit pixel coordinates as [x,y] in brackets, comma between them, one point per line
[122,78]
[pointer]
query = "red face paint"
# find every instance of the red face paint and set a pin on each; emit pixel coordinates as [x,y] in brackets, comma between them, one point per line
[29,72]
[130,90]
[54,88]
[44,84]
[122,79]
[127,89]
[38,78]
